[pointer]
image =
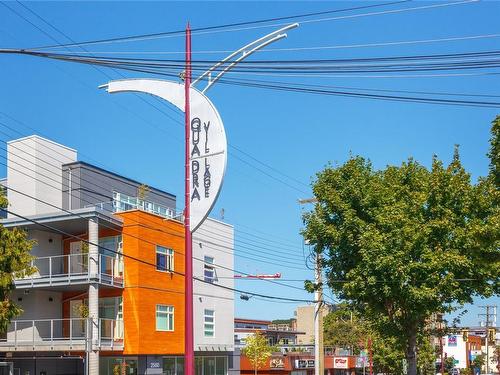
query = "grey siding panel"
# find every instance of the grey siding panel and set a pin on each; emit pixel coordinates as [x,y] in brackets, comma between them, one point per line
[91,185]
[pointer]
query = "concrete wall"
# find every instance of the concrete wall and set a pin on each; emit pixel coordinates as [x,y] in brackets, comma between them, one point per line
[86,184]
[305,323]
[47,244]
[34,168]
[214,239]
[36,305]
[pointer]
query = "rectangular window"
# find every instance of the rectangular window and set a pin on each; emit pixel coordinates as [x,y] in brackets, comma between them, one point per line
[164,259]
[209,270]
[209,323]
[164,318]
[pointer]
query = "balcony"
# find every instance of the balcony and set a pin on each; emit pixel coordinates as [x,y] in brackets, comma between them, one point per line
[62,335]
[127,203]
[73,269]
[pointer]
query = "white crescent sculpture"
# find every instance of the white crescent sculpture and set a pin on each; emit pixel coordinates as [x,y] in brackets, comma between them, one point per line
[208,145]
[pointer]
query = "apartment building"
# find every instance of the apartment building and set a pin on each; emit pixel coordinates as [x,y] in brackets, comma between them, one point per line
[107,296]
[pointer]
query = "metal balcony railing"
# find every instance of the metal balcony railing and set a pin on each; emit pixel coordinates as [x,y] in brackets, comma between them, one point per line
[139,204]
[59,270]
[280,327]
[62,334]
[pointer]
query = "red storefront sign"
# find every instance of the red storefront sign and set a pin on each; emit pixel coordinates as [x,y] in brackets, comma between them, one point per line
[341,362]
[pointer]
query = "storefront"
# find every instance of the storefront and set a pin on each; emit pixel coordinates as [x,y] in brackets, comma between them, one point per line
[301,364]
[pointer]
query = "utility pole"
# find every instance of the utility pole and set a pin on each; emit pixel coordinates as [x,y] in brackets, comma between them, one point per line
[319,352]
[491,311]
[318,319]
[181,96]
[442,353]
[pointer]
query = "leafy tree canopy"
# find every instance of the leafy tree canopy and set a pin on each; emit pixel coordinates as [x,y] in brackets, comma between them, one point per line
[407,241]
[15,262]
[257,350]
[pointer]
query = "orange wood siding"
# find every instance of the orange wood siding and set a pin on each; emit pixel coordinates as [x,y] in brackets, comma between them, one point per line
[145,287]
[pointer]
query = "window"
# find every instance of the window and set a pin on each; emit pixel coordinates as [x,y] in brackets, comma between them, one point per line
[164,318]
[209,270]
[209,321]
[164,259]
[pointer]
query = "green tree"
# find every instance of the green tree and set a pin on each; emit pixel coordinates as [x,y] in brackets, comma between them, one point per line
[344,328]
[142,192]
[257,350]
[15,262]
[479,361]
[405,242]
[449,364]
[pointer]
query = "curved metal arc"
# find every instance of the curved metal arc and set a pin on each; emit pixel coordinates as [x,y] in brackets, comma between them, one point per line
[242,49]
[242,57]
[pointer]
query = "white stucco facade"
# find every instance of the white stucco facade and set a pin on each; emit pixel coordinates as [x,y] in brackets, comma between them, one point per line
[34,167]
[454,346]
[214,239]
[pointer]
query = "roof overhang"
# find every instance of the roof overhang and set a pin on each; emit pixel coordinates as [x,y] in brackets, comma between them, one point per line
[71,222]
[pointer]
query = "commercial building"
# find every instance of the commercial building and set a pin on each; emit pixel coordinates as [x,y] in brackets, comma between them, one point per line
[294,363]
[305,322]
[107,296]
[276,334]
[461,350]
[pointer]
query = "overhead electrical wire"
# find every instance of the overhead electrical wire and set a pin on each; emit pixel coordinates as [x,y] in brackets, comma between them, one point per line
[204,239]
[55,187]
[217,29]
[292,88]
[290,264]
[57,230]
[244,245]
[141,37]
[298,49]
[163,103]
[128,234]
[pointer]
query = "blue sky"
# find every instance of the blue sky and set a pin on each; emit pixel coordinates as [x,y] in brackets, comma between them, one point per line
[297,134]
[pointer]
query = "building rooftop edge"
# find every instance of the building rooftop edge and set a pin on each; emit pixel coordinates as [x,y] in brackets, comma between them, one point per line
[252,320]
[35,136]
[117,175]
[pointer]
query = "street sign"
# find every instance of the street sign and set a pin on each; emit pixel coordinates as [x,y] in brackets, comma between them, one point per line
[208,144]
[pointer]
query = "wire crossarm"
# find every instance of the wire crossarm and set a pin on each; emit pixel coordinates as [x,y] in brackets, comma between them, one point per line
[245,51]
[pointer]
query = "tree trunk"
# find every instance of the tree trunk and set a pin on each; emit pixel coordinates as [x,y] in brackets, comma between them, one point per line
[411,352]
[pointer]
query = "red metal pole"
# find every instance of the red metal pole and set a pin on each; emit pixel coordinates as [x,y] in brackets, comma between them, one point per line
[442,353]
[370,353]
[188,274]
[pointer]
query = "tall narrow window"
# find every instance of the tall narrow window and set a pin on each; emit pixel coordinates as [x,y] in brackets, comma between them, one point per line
[209,269]
[164,259]
[209,323]
[164,318]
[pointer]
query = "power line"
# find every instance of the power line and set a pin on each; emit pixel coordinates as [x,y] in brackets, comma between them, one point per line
[314,48]
[151,228]
[343,93]
[202,32]
[55,187]
[245,245]
[148,263]
[214,248]
[140,37]
[161,101]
